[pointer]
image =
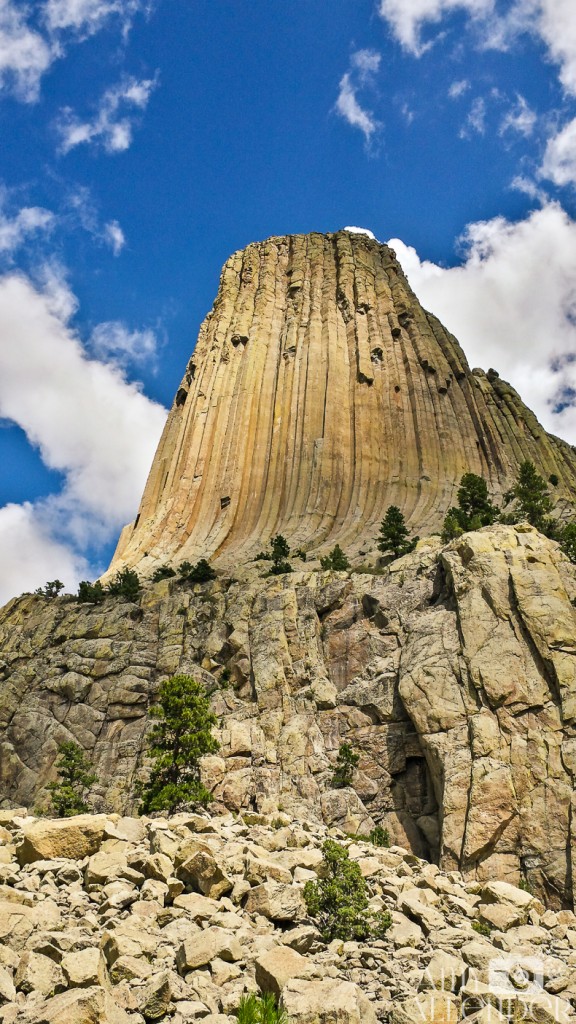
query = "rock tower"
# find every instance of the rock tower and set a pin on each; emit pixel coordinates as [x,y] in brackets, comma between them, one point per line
[320,392]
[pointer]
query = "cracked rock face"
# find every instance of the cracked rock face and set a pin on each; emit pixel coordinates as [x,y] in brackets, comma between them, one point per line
[452,673]
[319,393]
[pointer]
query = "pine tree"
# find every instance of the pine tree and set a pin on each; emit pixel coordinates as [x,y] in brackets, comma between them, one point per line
[280,551]
[126,584]
[475,508]
[338,901]
[336,560]
[177,741]
[532,499]
[74,778]
[346,764]
[393,536]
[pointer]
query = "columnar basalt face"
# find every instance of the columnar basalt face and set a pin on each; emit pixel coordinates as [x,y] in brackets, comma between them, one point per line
[319,393]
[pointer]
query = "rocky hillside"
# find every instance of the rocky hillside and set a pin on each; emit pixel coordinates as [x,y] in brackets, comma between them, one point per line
[111,920]
[319,393]
[452,673]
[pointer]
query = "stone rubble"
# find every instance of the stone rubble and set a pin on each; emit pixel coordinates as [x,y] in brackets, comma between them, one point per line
[105,918]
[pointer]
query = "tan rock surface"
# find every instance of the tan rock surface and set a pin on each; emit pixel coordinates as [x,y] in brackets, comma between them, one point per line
[319,393]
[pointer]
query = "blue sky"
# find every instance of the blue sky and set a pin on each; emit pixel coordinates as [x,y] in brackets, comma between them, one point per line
[142,143]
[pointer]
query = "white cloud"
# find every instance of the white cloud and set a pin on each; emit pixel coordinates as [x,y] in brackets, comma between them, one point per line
[15,230]
[476,120]
[114,236]
[27,52]
[88,16]
[552,21]
[458,89]
[111,126]
[407,17]
[364,66]
[24,54]
[367,63]
[559,163]
[113,340]
[520,118]
[512,305]
[30,556]
[98,430]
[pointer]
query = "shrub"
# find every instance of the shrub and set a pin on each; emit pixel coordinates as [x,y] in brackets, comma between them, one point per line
[532,499]
[90,593]
[180,737]
[393,536]
[475,508]
[346,763]
[553,479]
[74,778]
[263,1009]
[126,583]
[482,929]
[338,902]
[200,572]
[163,572]
[380,836]
[279,553]
[568,540]
[336,560]
[51,589]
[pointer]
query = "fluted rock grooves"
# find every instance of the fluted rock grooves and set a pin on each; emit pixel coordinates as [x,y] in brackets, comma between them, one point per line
[320,391]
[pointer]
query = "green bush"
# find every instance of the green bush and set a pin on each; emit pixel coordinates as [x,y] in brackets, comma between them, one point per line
[260,1010]
[75,776]
[393,536]
[163,572]
[126,583]
[51,589]
[338,901]
[475,508]
[336,560]
[90,593]
[180,737]
[380,836]
[482,929]
[279,554]
[567,538]
[200,572]
[346,764]
[532,501]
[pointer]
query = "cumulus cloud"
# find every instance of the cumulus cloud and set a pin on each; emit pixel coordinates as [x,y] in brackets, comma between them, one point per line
[113,124]
[88,16]
[24,53]
[32,37]
[512,305]
[30,555]
[552,21]
[114,236]
[457,89]
[15,230]
[559,163]
[520,119]
[98,430]
[364,64]
[113,340]
[476,120]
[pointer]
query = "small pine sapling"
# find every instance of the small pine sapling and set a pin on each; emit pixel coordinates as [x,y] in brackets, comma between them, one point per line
[346,764]
[75,776]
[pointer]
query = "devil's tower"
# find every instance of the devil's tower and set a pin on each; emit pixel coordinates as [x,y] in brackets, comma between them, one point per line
[319,393]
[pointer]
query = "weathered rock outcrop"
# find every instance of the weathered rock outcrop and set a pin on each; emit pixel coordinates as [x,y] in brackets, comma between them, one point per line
[103,940]
[319,393]
[453,672]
